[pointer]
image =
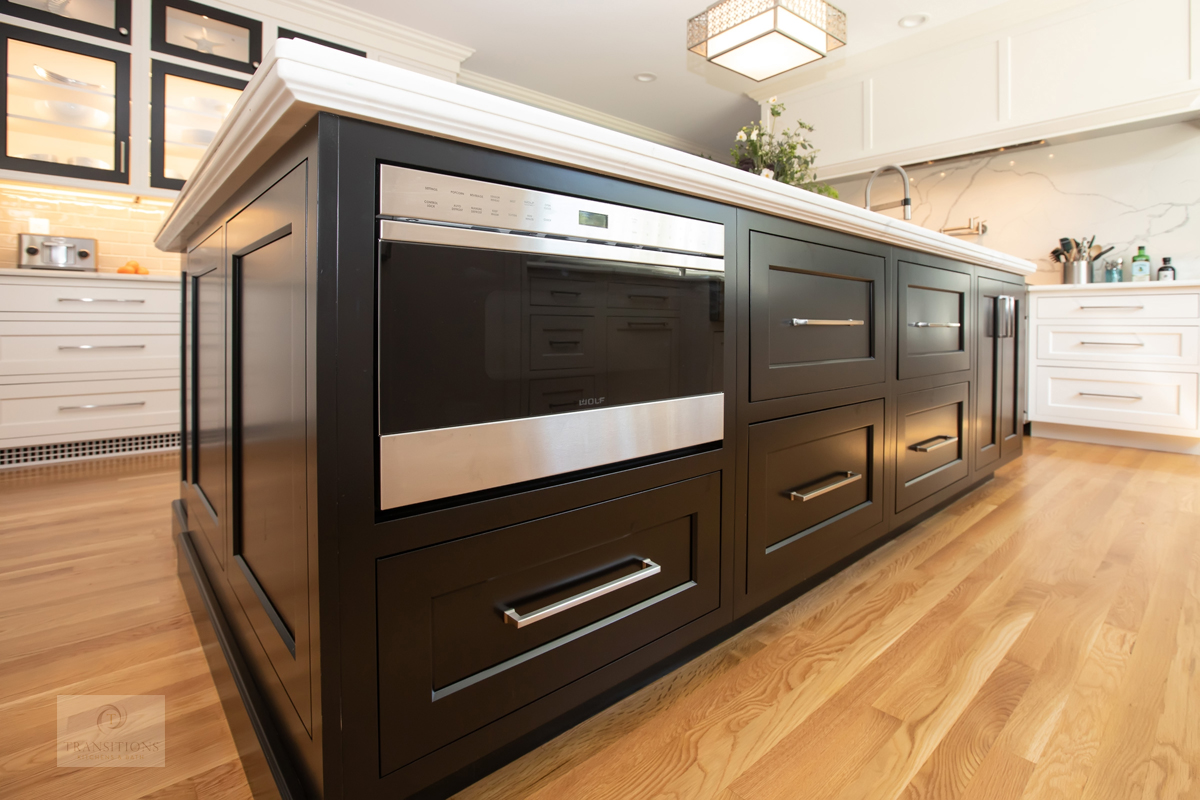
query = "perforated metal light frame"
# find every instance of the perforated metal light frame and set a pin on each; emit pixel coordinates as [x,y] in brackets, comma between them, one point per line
[725,16]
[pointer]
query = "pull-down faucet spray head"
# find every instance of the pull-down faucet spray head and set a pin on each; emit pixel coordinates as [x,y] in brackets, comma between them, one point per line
[907,202]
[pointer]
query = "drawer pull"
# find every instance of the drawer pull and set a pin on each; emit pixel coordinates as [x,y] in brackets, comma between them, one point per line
[564,291]
[1113,396]
[935,324]
[102,347]
[102,405]
[936,443]
[647,296]
[521,620]
[1115,344]
[95,300]
[841,322]
[557,342]
[842,479]
[1090,308]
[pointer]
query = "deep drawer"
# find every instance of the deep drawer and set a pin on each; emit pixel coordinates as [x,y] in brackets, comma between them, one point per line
[452,658]
[1119,344]
[934,319]
[98,298]
[815,482]
[816,317]
[1164,401]
[931,442]
[1132,306]
[107,347]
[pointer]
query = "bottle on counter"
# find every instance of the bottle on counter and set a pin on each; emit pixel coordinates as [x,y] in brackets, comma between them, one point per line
[1114,271]
[1166,272]
[1139,267]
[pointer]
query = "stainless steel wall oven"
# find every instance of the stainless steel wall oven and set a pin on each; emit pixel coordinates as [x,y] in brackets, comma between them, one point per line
[523,335]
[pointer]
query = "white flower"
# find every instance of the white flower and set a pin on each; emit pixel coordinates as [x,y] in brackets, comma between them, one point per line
[769,174]
[741,136]
[773,100]
[754,135]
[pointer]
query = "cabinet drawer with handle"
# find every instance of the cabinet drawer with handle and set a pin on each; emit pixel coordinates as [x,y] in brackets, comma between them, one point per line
[1119,344]
[107,351]
[96,299]
[930,438]
[472,630]
[934,319]
[1106,306]
[815,482]
[88,409]
[1154,401]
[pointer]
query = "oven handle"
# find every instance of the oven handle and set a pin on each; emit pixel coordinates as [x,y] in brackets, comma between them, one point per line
[420,233]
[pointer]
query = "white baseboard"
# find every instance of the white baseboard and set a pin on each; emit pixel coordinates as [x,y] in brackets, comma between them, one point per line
[1142,441]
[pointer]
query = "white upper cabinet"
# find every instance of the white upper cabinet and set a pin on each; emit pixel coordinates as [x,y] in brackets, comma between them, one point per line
[1006,76]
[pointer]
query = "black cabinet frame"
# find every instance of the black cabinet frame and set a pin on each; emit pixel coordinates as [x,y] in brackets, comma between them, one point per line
[120,156]
[159,70]
[158,34]
[285,33]
[119,32]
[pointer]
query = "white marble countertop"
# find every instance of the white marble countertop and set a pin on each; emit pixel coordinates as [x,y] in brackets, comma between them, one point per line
[297,79]
[1125,286]
[66,274]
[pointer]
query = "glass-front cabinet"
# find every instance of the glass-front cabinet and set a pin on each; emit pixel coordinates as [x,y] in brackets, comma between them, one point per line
[187,108]
[202,33]
[107,19]
[67,107]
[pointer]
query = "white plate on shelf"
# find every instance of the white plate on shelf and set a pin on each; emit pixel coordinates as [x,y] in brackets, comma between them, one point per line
[206,105]
[71,113]
[87,161]
[196,136]
[53,159]
[174,174]
[54,77]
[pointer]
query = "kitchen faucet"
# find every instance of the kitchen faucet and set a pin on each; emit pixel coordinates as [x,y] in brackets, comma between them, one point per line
[907,202]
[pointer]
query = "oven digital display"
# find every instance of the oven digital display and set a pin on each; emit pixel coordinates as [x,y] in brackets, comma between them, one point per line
[593,220]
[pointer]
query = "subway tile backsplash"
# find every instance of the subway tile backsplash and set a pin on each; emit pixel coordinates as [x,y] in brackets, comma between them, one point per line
[123,225]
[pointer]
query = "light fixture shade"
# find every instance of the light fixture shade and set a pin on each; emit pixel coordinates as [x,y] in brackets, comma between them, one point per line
[763,38]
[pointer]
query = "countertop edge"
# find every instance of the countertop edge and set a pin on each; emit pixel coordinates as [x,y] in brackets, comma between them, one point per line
[298,79]
[65,274]
[1125,286]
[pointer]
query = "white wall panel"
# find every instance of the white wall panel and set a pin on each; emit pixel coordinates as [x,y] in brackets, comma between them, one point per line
[840,131]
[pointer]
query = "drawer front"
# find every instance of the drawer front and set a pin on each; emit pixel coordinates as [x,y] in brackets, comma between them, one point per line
[815,483]
[562,342]
[1156,400]
[651,297]
[86,413]
[564,292]
[472,630]
[931,442]
[934,319]
[37,298]
[1119,344]
[87,352]
[1132,306]
[816,320]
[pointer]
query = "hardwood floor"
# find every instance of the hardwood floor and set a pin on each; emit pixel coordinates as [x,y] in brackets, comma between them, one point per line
[1037,639]
[90,604]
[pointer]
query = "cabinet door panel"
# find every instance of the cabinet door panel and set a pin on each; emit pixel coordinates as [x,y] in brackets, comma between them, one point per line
[209,338]
[934,318]
[816,321]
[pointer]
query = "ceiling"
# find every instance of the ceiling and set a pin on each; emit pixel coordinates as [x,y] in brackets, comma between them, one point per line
[588,53]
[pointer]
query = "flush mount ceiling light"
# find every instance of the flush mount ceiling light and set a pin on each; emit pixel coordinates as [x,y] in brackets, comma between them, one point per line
[913,20]
[763,38]
[645,77]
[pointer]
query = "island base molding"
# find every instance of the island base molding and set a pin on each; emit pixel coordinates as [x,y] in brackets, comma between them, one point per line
[1115,438]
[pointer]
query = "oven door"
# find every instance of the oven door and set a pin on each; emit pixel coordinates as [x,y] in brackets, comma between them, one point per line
[506,358]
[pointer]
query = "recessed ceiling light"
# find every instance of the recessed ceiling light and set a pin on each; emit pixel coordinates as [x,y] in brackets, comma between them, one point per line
[645,77]
[913,20]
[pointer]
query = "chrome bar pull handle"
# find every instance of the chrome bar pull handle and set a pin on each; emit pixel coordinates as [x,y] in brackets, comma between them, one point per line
[1006,317]
[96,300]
[935,324]
[832,322]
[649,570]
[1090,308]
[102,347]
[936,443]
[1115,344]
[827,486]
[102,405]
[1113,396]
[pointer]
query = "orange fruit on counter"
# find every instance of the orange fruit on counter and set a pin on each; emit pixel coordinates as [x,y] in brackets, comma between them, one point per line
[127,270]
[142,270]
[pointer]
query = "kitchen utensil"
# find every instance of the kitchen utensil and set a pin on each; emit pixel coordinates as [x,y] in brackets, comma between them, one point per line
[54,77]
[1065,244]
[71,113]
[1103,252]
[1093,251]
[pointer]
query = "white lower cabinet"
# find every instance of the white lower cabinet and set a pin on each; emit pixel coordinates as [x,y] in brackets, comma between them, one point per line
[86,357]
[1122,357]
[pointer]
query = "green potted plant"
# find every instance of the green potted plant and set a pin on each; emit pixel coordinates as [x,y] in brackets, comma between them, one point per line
[789,158]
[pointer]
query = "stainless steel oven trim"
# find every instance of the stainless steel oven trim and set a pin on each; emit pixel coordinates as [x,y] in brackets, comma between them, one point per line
[428,465]
[416,194]
[420,233]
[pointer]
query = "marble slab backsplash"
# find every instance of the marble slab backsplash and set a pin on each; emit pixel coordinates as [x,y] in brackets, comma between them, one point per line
[1129,189]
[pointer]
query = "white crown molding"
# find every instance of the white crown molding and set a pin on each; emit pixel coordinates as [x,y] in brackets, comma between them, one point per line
[298,79]
[521,94]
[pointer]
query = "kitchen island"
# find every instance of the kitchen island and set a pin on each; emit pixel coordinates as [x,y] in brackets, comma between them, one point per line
[493,416]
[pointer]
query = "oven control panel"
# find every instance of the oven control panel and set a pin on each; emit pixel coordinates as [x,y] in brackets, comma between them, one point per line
[416,195]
